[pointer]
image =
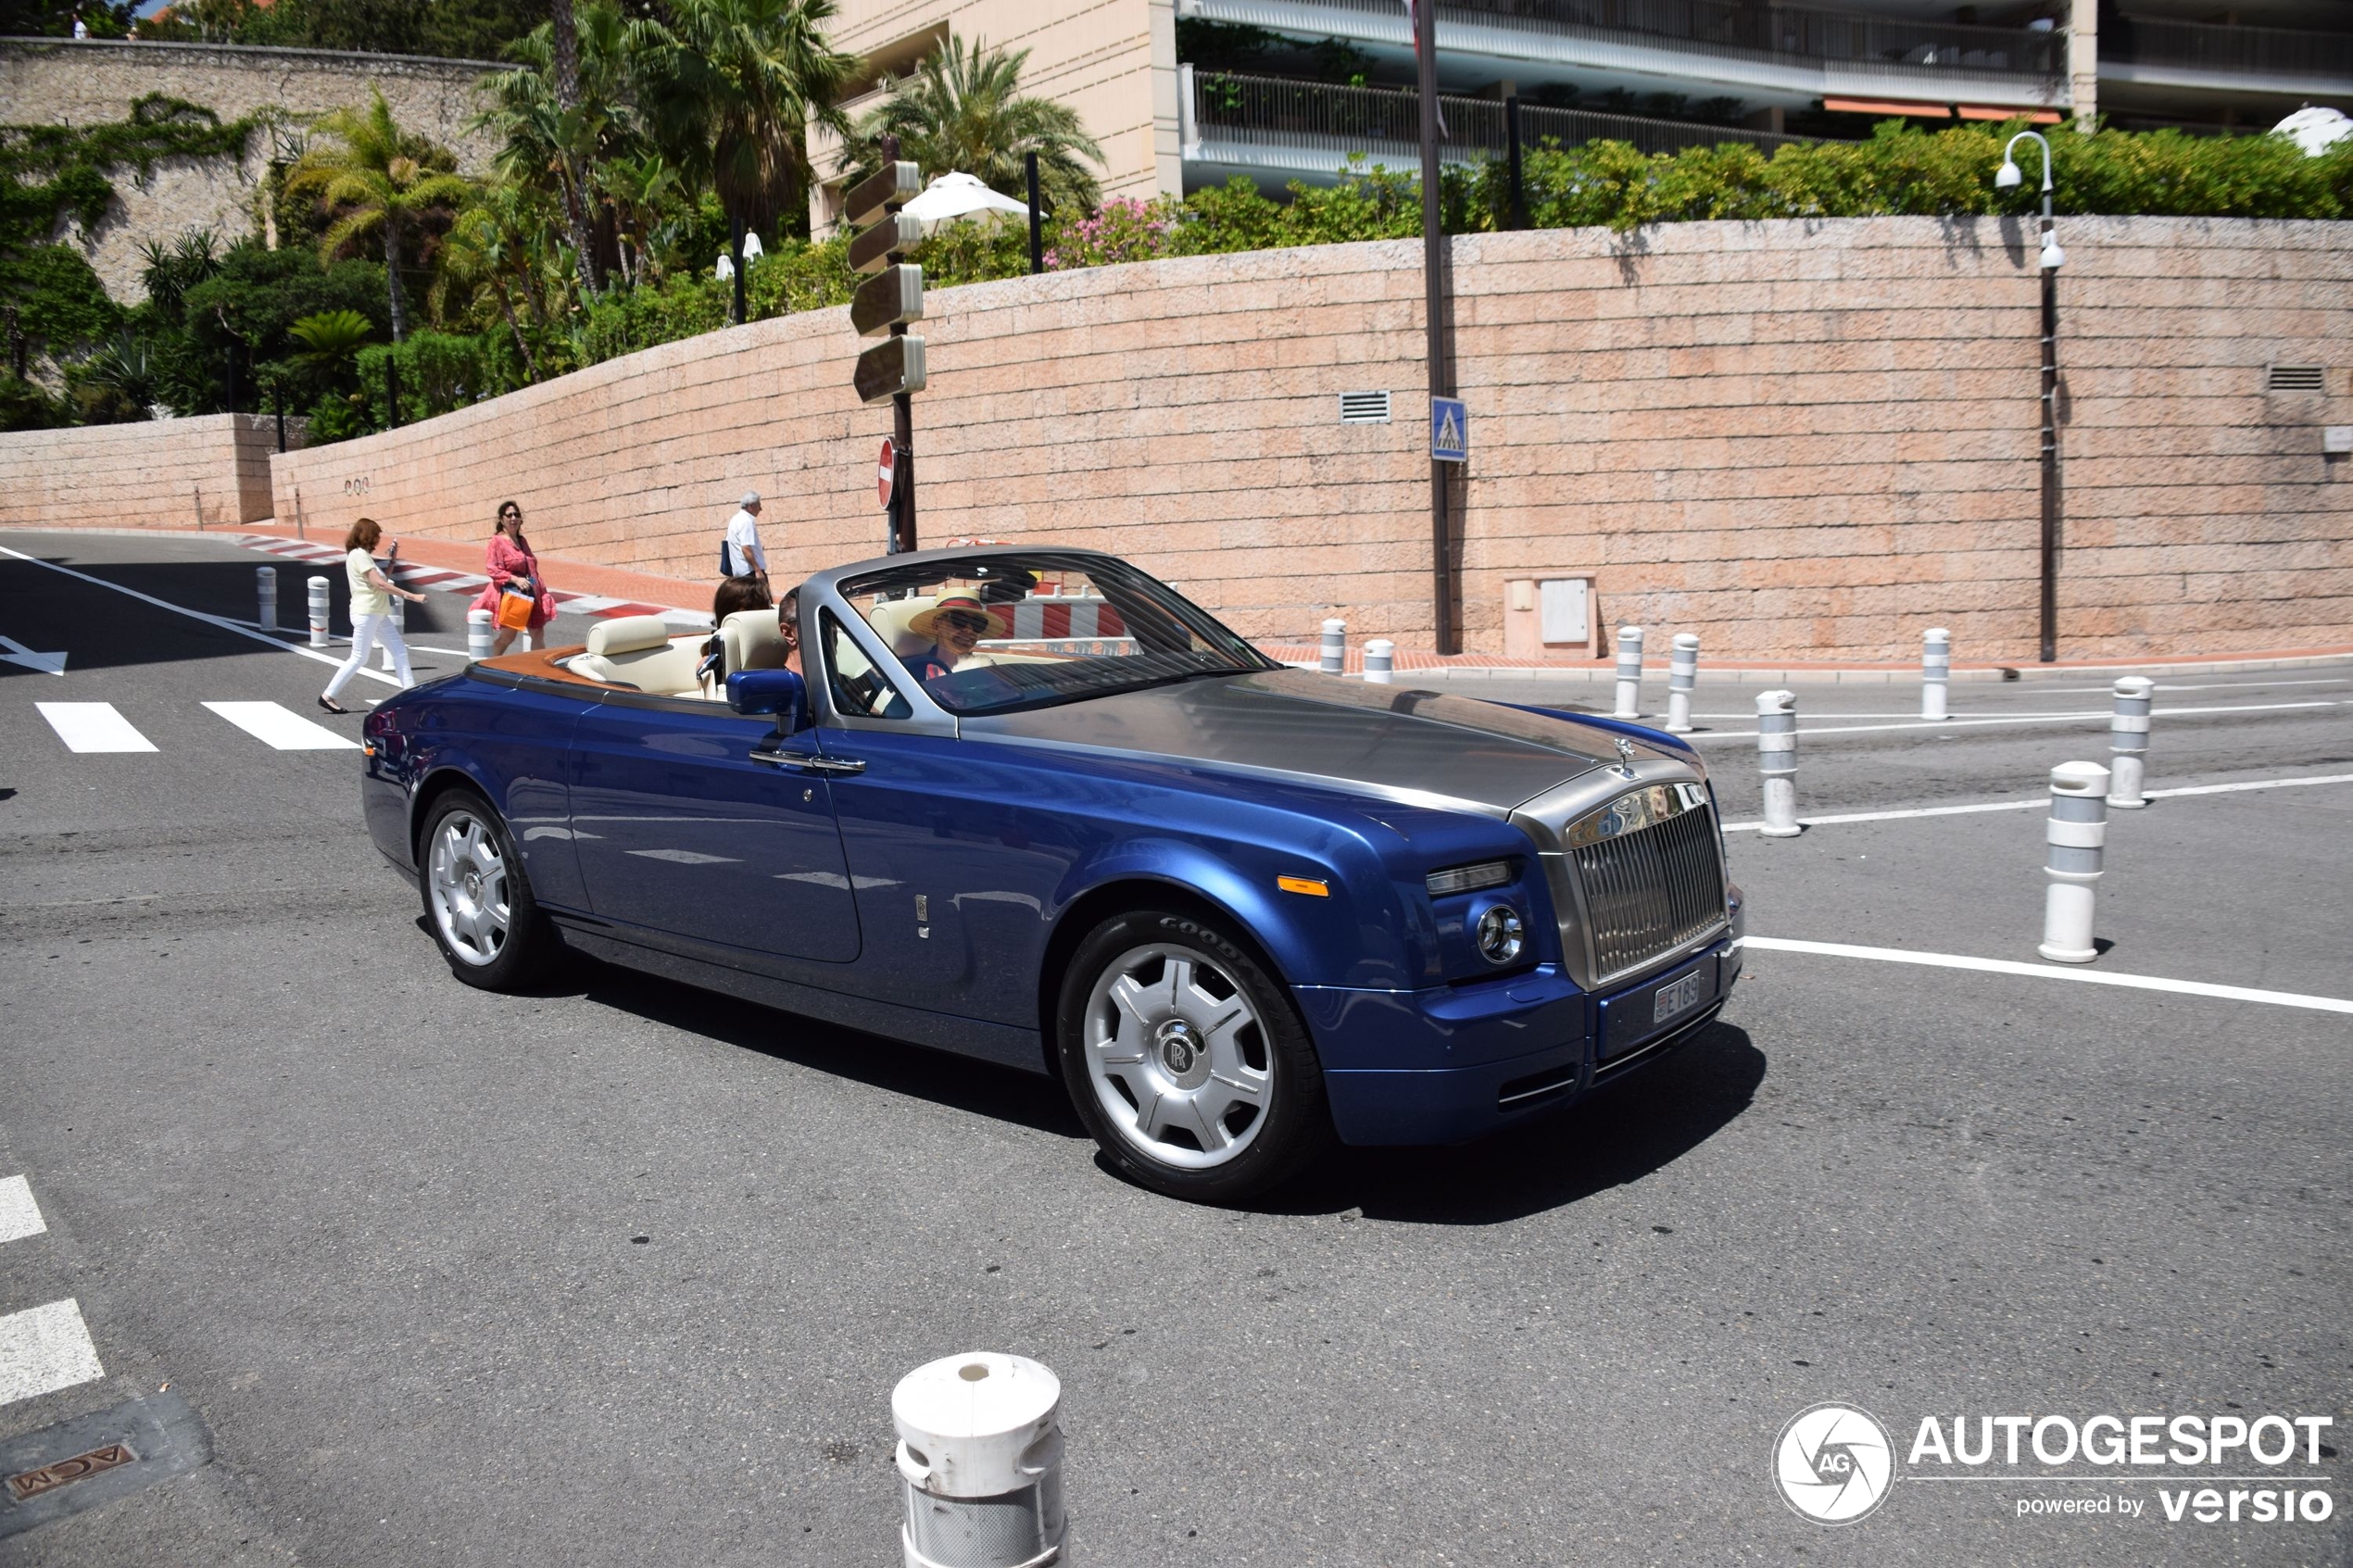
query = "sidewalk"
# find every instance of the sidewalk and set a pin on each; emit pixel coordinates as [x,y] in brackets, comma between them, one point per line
[456,565]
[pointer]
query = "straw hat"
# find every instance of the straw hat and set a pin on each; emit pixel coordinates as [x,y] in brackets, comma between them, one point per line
[925,622]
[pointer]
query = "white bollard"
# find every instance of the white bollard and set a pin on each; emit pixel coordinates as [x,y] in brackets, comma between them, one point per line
[1682,674]
[1936,672]
[265,586]
[2077,833]
[1380,656]
[2128,739]
[399,624]
[1630,672]
[1777,760]
[523,641]
[1332,657]
[478,632]
[980,1454]
[320,603]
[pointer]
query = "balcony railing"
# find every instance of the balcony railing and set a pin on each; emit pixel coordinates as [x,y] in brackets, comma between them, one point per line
[1377,121]
[1748,27]
[2232,51]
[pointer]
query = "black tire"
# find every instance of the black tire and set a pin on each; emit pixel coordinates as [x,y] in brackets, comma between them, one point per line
[461,896]
[1220,1105]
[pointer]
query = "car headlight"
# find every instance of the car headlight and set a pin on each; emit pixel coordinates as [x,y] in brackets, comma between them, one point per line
[1470,879]
[1502,934]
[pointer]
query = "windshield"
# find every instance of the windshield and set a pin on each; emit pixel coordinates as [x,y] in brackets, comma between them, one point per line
[989,634]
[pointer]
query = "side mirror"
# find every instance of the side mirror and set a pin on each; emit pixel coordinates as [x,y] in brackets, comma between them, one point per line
[780,692]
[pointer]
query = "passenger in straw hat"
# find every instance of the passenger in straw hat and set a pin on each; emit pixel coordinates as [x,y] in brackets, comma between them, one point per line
[955,626]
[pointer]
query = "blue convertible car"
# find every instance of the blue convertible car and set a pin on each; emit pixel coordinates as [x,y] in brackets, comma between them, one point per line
[1034,806]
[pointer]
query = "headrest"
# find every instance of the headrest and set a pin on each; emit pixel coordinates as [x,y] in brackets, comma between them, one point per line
[628,633]
[753,642]
[889,620]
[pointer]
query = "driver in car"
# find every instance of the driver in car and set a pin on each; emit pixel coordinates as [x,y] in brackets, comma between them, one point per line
[955,626]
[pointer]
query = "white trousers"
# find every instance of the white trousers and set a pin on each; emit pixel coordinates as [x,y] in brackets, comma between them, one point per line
[367,630]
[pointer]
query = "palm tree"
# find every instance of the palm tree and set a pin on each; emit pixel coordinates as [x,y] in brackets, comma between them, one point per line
[964,110]
[731,86]
[485,255]
[383,181]
[561,112]
[330,340]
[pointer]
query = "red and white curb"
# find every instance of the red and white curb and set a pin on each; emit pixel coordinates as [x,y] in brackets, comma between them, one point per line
[449,579]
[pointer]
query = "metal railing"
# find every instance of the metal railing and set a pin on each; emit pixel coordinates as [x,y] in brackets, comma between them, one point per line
[1377,121]
[1751,29]
[2237,51]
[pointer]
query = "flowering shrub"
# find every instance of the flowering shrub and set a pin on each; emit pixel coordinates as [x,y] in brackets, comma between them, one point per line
[1121,229]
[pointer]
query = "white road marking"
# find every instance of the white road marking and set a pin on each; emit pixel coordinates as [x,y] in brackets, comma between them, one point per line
[221,620]
[47,663]
[20,1215]
[273,725]
[2032,802]
[44,1349]
[2101,714]
[93,726]
[2053,972]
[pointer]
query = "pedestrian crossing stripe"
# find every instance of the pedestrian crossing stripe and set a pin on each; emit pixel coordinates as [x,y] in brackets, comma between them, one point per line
[276,726]
[93,726]
[44,1349]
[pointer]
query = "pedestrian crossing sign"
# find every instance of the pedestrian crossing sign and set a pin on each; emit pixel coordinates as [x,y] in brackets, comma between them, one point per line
[1449,431]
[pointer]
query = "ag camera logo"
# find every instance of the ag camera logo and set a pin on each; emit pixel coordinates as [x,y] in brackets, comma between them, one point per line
[1833,1464]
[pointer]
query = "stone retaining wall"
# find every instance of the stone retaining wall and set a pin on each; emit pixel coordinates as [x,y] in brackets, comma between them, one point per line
[1797,439]
[210,472]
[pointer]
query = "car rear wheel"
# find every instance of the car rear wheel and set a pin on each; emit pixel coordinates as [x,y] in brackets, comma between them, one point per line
[1187,1059]
[477,899]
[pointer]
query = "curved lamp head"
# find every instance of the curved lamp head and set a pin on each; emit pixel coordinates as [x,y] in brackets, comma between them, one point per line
[2052,256]
[727,269]
[751,247]
[2008,177]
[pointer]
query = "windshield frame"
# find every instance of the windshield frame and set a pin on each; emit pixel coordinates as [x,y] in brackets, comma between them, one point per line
[1118,580]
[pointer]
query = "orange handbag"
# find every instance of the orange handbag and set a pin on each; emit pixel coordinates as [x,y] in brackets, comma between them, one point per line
[514,611]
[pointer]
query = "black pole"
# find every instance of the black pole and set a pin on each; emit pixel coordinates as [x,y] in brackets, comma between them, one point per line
[2050,458]
[230,377]
[1442,380]
[1036,226]
[902,419]
[736,244]
[278,406]
[392,393]
[1510,145]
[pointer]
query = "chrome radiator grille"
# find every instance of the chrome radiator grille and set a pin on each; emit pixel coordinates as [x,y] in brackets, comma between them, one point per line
[1651,881]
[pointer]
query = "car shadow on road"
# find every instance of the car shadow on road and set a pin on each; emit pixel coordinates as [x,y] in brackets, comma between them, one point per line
[1025,1099]
[1619,1135]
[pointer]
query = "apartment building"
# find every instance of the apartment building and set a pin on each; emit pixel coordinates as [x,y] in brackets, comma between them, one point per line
[1187,93]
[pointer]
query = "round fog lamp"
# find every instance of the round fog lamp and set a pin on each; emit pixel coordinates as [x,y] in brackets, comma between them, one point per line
[1501,935]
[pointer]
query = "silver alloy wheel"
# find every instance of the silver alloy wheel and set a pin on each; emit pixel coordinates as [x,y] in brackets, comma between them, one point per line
[468,876]
[1177,1057]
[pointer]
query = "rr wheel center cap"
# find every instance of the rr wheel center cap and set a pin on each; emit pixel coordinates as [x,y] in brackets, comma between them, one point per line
[1182,1053]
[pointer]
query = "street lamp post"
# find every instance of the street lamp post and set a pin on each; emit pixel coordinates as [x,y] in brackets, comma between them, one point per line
[1435,289]
[2008,177]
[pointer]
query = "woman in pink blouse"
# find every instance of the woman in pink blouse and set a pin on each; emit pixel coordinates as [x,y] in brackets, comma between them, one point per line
[512,561]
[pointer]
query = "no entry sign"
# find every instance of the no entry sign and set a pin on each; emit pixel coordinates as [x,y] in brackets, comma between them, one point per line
[886,470]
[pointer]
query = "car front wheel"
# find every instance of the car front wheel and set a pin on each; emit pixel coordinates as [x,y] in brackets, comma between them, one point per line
[477,899]
[1187,1059]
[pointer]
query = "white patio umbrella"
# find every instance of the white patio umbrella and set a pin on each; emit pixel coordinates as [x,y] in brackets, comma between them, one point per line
[2314,130]
[952,196]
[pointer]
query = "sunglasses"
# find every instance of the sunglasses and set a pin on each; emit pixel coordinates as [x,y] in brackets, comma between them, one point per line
[967,622]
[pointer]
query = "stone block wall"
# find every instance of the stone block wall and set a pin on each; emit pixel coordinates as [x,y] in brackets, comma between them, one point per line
[1798,440]
[210,472]
[58,82]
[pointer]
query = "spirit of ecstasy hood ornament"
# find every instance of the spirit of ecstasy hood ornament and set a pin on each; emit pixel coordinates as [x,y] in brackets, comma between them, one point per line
[1625,769]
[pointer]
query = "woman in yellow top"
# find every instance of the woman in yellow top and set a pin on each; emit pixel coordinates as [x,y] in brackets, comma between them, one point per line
[372,594]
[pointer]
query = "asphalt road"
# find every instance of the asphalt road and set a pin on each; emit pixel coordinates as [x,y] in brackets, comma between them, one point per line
[624,1274]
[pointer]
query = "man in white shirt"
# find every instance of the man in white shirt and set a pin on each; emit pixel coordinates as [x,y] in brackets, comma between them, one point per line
[741,555]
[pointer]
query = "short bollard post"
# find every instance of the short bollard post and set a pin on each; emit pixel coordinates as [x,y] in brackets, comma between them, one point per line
[1777,760]
[1630,673]
[400,625]
[1380,656]
[522,640]
[2128,738]
[1682,674]
[265,585]
[478,634]
[319,602]
[2077,835]
[980,1457]
[1936,672]
[1332,657]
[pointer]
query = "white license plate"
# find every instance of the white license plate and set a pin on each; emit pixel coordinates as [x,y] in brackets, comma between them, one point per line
[1674,999]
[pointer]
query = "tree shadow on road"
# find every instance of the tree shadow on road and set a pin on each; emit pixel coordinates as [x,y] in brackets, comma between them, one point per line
[1621,1135]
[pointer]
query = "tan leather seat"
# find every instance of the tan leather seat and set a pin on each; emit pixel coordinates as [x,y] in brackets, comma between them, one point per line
[753,642]
[637,651]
